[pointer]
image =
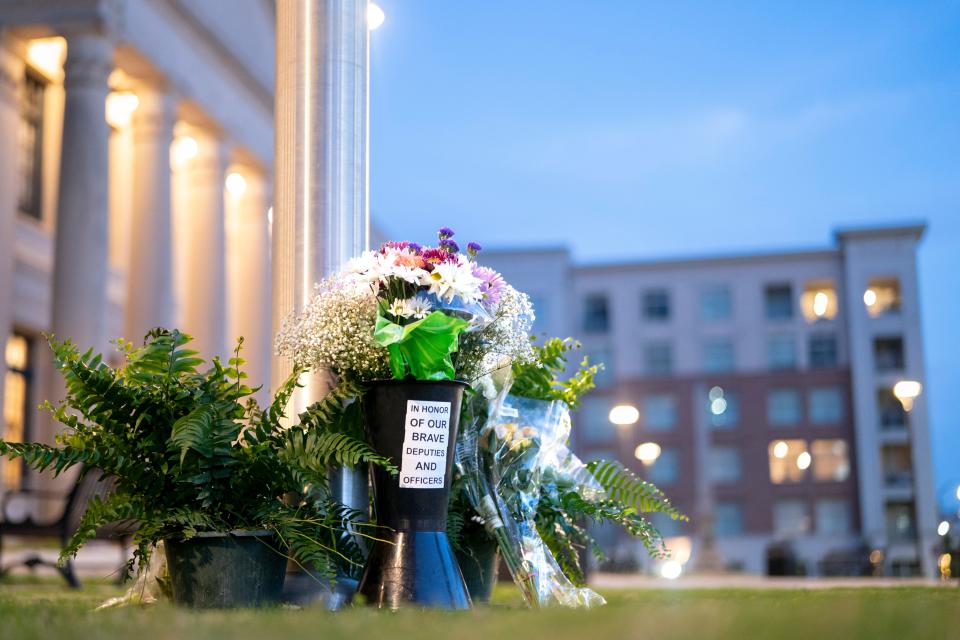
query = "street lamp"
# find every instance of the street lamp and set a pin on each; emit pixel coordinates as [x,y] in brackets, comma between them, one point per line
[647,453]
[906,391]
[624,415]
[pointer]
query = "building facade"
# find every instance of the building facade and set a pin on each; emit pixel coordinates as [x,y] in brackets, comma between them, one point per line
[764,395]
[136,154]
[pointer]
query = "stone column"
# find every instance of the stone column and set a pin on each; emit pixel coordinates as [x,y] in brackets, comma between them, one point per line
[82,241]
[248,251]
[150,265]
[204,299]
[10,72]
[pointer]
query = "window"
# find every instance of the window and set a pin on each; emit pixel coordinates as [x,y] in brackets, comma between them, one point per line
[897,466]
[596,313]
[718,356]
[826,405]
[656,304]
[16,402]
[888,353]
[833,516]
[790,518]
[783,407]
[658,358]
[659,412]
[823,351]
[831,461]
[724,465]
[716,303]
[789,461]
[892,413]
[727,519]
[541,305]
[778,301]
[594,423]
[882,297]
[31,145]
[666,468]
[723,408]
[667,526]
[901,523]
[819,301]
[782,352]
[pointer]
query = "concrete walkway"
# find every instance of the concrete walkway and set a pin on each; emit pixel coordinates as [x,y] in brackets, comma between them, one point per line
[745,581]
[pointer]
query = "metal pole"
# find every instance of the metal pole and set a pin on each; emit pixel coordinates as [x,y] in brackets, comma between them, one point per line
[321,214]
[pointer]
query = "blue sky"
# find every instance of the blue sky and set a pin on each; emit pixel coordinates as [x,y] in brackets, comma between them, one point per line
[636,129]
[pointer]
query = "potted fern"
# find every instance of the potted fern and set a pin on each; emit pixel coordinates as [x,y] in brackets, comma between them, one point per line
[194,463]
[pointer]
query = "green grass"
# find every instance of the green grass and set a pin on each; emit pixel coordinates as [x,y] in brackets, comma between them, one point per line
[51,612]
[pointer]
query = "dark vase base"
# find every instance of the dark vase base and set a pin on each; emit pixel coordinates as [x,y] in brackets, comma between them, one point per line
[414,567]
[479,561]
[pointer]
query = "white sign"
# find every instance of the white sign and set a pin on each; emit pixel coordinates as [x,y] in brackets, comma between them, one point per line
[425,440]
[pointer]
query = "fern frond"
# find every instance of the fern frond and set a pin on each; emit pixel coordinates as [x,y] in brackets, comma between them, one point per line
[623,486]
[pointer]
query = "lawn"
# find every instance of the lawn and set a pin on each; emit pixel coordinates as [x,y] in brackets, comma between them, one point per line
[50,612]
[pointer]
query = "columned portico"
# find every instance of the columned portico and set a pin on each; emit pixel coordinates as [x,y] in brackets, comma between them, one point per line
[150,277]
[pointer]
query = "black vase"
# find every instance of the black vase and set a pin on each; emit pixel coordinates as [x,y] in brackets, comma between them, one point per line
[414,423]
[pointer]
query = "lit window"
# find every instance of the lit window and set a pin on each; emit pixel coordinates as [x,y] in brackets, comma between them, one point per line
[596,313]
[727,519]
[826,405]
[716,303]
[888,353]
[724,465]
[718,356]
[882,296]
[901,522]
[778,301]
[789,461]
[659,412]
[790,518]
[658,358]
[666,468]
[823,351]
[892,413]
[897,466]
[16,400]
[782,352]
[594,425]
[656,304]
[819,301]
[831,461]
[833,516]
[783,407]
[31,145]
[723,408]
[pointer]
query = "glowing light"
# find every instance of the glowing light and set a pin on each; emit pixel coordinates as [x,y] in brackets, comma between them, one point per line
[820,303]
[624,414]
[869,297]
[715,393]
[804,460]
[236,184]
[876,556]
[943,563]
[906,392]
[270,216]
[780,450]
[958,492]
[944,528]
[120,108]
[47,54]
[647,452]
[718,406]
[671,569]
[184,149]
[375,16]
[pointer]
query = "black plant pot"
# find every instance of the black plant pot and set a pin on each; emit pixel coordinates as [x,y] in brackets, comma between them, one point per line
[225,570]
[414,423]
[479,560]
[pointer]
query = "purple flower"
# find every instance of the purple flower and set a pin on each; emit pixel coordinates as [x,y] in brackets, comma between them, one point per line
[415,247]
[473,249]
[450,245]
[445,232]
[491,284]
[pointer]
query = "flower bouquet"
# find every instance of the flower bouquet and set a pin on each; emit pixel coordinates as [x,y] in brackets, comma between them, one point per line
[404,331]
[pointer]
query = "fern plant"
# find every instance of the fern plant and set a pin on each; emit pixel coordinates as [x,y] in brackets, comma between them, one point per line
[188,450]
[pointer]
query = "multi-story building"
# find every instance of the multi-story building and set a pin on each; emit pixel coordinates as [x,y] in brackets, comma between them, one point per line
[758,392]
[136,154]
